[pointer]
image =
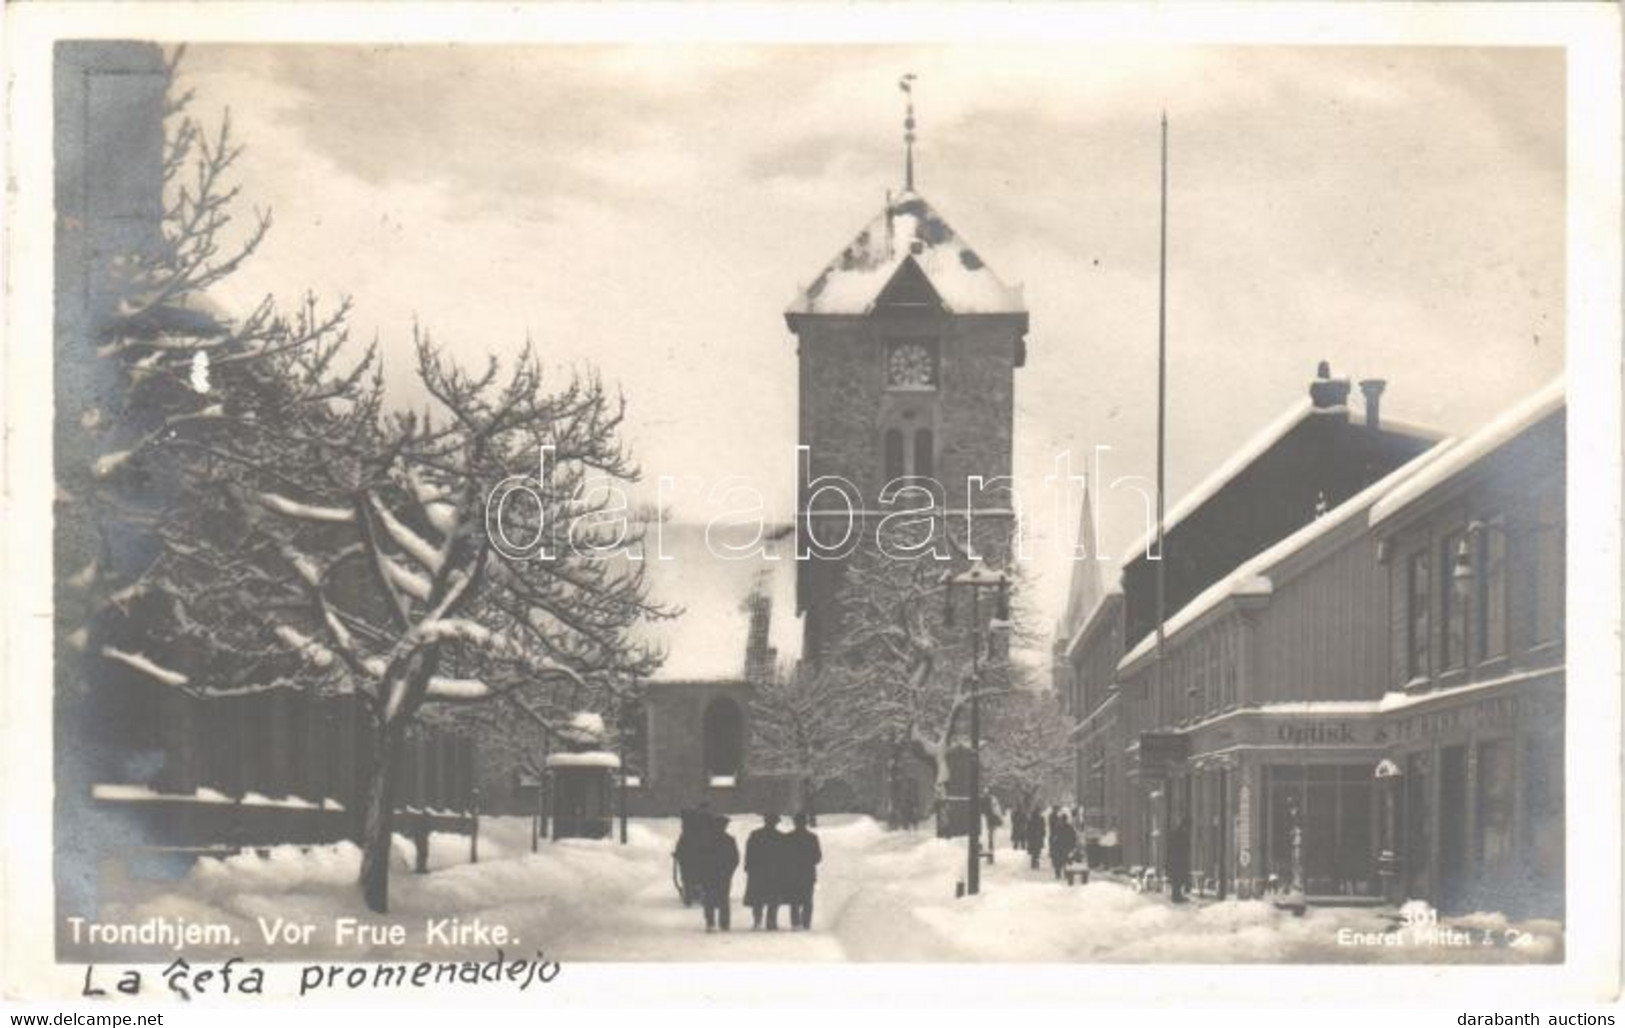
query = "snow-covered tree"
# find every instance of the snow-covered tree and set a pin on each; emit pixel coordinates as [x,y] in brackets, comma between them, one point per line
[375,552]
[1029,751]
[806,726]
[905,676]
[171,387]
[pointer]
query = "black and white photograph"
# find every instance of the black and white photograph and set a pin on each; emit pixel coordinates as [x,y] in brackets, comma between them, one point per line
[509,505]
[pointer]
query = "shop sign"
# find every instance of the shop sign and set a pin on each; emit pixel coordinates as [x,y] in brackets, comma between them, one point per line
[1161,752]
[1496,712]
[1318,733]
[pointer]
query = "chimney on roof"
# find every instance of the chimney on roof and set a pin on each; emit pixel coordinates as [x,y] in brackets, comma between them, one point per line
[1372,388]
[1326,392]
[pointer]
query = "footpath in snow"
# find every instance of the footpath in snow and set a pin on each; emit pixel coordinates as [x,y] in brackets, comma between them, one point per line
[882,896]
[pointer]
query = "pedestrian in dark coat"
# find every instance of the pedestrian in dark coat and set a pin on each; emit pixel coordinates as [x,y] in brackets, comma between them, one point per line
[1018,828]
[1035,836]
[688,845]
[990,816]
[1061,842]
[1179,860]
[764,873]
[717,855]
[802,855]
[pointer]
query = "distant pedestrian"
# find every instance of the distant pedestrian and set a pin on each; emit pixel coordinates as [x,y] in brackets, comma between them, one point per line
[1018,828]
[691,842]
[802,853]
[764,873]
[1035,836]
[1061,841]
[990,814]
[1179,860]
[717,857]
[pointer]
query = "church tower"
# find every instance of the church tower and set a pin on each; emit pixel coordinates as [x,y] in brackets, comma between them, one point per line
[908,344]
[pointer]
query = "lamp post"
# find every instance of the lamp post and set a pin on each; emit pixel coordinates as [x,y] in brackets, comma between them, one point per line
[976,578]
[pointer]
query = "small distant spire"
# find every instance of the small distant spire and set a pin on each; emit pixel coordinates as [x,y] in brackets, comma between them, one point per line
[906,84]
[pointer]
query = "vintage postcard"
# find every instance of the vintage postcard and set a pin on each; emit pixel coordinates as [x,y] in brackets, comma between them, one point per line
[505,496]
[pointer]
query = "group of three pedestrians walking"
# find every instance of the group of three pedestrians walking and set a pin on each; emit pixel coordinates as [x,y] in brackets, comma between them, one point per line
[1031,830]
[781,869]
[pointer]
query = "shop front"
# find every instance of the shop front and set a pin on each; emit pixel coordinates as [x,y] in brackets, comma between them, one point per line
[1473,800]
[1284,804]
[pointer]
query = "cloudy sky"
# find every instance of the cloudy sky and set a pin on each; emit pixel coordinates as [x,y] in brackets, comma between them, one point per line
[653,210]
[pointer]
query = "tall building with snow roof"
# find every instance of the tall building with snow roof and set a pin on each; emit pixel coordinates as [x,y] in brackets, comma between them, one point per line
[908,343]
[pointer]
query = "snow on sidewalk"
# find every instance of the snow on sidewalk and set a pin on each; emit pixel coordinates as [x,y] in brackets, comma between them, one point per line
[882,896]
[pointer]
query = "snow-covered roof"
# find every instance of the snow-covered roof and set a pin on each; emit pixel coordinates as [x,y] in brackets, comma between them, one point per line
[706,642]
[1525,414]
[588,722]
[1252,578]
[592,758]
[1256,447]
[909,229]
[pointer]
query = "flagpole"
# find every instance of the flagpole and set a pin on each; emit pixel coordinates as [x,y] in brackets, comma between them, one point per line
[1162,430]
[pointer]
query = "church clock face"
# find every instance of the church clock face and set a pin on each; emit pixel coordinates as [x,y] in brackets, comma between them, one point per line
[911,366]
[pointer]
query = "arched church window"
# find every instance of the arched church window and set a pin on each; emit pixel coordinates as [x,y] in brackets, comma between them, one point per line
[894,454]
[724,732]
[924,466]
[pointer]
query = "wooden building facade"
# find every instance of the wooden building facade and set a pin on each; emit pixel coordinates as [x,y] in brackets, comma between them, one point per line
[1369,709]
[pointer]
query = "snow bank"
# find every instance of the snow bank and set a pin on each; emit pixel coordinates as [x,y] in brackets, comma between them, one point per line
[883,896]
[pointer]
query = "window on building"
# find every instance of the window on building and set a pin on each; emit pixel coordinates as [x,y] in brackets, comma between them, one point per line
[894,454]
[1494,808]
[1547,542]
[1455,597]
[924,453]
[1211,700]
[1319,829]
[1416,615]
[1542,774]
[1490,560]
[1228,670]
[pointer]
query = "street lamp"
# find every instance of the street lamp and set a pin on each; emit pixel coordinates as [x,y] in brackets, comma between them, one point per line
[977,578]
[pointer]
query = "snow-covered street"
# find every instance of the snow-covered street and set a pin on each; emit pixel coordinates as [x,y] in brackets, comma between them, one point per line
[882,896]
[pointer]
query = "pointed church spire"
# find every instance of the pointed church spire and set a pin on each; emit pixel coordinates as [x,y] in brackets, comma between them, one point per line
[1086,590]
[906,84]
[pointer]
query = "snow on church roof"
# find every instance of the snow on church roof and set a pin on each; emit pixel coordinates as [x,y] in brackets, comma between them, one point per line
[707,641]
[909,229]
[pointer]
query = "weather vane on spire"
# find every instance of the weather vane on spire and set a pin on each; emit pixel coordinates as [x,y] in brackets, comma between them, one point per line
[906,84]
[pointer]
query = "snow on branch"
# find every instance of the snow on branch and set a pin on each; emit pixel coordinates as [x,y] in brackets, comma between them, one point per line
[404,578]
[443,688]
[144,664]
[306,511]
[415,546]
[303,644]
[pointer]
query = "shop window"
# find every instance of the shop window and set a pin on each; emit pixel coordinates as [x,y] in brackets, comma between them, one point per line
[1490,560]
[1416,615]
[1418,818]
[1493,805]
[1319,828]
[1454,596]
[1542,775]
